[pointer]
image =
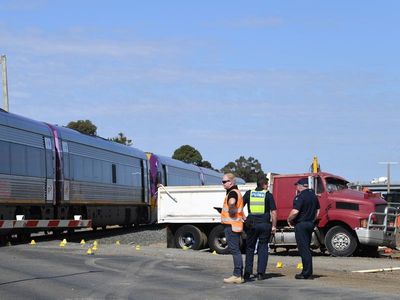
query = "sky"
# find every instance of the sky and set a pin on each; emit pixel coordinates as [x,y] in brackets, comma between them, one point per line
[280,81]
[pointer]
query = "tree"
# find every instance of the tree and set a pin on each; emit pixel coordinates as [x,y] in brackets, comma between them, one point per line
[122,139]
[188,154]
[83,126]
[248,169]
[206,164]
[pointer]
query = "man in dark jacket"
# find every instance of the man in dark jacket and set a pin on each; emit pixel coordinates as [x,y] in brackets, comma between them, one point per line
[303,216]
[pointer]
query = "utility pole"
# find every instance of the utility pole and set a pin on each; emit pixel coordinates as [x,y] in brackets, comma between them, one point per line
[388,163]
[3,62]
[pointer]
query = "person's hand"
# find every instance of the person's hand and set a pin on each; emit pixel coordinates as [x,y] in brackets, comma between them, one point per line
[290,223]
[273,230]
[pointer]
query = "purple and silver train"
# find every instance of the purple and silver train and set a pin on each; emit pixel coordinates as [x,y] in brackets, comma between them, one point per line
[52,172]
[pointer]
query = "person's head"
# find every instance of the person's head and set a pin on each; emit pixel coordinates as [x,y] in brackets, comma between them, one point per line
[301,184]
[262,183]
[228,180]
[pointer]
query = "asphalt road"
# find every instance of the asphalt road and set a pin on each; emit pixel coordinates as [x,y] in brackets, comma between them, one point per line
[48,271]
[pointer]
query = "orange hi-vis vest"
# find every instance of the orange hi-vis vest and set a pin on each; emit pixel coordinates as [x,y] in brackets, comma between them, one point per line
[237,221]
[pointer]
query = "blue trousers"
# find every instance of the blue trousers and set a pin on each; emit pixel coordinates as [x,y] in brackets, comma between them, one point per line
[303,232]
[262,232]
[233,239]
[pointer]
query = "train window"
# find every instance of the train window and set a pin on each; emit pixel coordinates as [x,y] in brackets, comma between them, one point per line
[77,163]
[177,176]
[121,174]
[18,159]
[5,167]
[66,166]
[88,168]
[114,173]
[35,162]
[97,170]
[106,172]
[137,175]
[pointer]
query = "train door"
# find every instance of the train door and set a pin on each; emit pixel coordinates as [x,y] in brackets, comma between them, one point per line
[66,170]
[50,171]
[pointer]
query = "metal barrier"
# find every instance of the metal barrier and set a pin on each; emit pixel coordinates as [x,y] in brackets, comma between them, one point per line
[391,218]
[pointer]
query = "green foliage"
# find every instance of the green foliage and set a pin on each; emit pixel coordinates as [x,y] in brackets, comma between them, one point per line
[206,164]
[83,126]
[188,154]
[248,169]
[122,139]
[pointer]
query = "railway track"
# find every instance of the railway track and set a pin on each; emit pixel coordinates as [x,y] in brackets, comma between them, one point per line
[143,234]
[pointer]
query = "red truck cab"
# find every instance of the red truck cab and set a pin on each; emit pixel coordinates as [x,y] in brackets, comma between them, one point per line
[348,220]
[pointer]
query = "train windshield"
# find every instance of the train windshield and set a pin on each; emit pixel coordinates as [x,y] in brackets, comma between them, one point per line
[335,184]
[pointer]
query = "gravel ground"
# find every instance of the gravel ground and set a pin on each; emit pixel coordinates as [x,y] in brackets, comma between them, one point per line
[329,271]
[155,235]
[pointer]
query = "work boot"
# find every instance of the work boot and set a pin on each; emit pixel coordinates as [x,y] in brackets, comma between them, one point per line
[234,279]
[301,276]
[246,276]
[261,276]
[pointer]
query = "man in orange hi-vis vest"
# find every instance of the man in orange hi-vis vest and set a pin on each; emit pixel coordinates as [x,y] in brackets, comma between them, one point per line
[232,219]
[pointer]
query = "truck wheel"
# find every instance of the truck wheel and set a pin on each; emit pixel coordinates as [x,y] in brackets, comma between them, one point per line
[189,236]
[340,242]
[217,240]
[204,239]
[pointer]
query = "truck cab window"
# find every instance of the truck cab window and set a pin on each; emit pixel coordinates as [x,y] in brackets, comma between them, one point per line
[335,184]
[320,186]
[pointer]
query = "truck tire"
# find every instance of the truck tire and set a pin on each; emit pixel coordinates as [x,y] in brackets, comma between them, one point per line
[189,237]
[217,240]
[204,238]
[340,241]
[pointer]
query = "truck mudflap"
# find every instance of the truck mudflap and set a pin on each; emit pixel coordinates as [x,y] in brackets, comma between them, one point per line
[380,234]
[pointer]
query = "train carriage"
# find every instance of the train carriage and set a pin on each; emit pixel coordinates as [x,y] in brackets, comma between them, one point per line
[102,180]
[27,168]
[49,172]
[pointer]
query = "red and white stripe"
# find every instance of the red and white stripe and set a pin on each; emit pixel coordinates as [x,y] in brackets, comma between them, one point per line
[6,224]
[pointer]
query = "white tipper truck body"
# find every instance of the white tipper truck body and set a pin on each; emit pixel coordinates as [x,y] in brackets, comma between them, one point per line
[191,218]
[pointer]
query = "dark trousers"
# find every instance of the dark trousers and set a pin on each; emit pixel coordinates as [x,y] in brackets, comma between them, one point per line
[303,232]
[233,239]
[262,232]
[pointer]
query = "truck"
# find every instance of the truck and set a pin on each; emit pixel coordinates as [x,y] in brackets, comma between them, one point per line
[349,220]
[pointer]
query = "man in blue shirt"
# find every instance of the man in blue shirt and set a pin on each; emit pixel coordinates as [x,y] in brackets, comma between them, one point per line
[303,216]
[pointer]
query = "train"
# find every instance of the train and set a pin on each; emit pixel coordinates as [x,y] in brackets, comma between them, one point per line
[53,172]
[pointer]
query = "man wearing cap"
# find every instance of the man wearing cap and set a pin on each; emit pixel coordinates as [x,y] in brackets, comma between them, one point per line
[303,215]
